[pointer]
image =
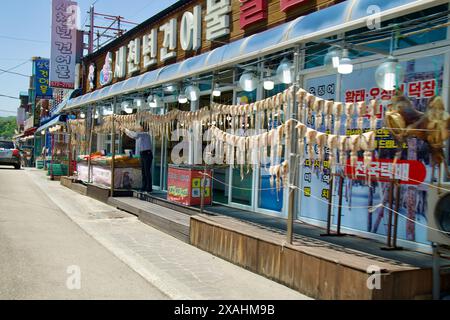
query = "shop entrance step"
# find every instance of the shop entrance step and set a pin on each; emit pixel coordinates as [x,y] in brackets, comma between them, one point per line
[164,219]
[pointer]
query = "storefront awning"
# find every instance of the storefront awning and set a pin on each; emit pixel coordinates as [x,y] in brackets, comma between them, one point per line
[55,121]
[339,18]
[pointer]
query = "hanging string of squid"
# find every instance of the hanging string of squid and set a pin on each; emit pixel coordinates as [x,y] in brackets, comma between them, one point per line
[239,149]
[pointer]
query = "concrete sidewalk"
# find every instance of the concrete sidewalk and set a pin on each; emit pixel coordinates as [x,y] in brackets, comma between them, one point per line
[177,269]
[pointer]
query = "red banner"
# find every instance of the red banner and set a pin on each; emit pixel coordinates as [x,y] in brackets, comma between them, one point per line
[411,172]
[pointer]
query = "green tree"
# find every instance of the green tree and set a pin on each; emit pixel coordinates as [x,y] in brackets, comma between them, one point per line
[7,127]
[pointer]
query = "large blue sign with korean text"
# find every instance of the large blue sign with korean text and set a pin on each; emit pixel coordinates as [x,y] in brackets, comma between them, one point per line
[41,79]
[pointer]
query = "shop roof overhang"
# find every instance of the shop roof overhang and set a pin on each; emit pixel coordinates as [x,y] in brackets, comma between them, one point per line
[57,120]
[339,18]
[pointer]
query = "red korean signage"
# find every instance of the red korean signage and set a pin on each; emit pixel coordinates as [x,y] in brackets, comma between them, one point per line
[410,172]
[286,5]
[252,11]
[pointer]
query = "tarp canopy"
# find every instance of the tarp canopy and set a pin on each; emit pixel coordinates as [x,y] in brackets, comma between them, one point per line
[55,121]
[314,26]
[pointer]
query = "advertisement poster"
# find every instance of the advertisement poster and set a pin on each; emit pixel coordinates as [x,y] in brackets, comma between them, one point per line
[41,82]
[315,181]
[423,78]
[63,44]
[184,186]
[125,178]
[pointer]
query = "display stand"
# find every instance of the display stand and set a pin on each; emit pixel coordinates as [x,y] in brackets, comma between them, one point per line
[330,208]
[186,184]
[393,217]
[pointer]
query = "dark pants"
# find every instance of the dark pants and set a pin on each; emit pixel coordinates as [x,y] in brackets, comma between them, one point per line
[146,167]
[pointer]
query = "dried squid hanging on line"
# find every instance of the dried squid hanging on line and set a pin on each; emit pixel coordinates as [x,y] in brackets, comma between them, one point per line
[372,111]
[368,145]
[355,146]
[349,111]
[333,145]
[328,112]
[318,109]
[362,111]
[338,112]
[311,140]
[301,131]
[301,96]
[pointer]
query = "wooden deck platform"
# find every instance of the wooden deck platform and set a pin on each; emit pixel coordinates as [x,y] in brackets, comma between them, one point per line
[316,268]
[167,220]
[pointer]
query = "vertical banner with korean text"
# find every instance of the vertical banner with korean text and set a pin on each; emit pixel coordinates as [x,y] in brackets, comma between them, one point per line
[41,82]
[64,42]
[315,181]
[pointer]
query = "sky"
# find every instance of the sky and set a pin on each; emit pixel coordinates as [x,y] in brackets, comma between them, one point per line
[25,31]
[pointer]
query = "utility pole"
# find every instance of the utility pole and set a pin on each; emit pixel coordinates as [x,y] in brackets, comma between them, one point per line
[109,31]
[91,30]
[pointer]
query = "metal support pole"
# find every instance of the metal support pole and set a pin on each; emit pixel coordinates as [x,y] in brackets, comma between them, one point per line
[53,155]
[391,202]
[330,206]
[91,131]
[113,147]
[339,218]
[70,172]
[397,208]
[436,273]
[293,150]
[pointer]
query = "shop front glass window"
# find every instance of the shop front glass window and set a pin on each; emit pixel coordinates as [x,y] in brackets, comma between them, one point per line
[269,197]
[221,171]
[242,177]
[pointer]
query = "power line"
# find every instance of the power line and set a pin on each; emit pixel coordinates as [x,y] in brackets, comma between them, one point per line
[15,73]
[23,39]
[7,111]
[10,97]
[15,67]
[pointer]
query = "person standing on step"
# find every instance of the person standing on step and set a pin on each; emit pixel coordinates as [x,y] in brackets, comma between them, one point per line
[144,148]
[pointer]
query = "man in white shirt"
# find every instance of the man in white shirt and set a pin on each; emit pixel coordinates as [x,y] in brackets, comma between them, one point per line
[144,148]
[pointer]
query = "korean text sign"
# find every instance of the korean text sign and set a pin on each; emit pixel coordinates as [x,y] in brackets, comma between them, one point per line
[64,40]
[41,82]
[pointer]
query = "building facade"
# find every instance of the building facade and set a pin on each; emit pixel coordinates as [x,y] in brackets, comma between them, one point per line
[212,44]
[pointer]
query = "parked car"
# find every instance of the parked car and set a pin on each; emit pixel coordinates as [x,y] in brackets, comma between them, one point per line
[9,154]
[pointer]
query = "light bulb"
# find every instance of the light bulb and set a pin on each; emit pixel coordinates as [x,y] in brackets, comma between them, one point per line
[82,115]
[156,102]
[332,59]
[192,93]
[248,81]
[345,65]
[107,111]
[389,74]
[269,85]
[138,102]
[216,92]
[182,99]
[129,110]
[285,72]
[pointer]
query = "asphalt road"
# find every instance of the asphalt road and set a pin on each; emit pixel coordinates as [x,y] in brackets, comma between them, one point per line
[44,255]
